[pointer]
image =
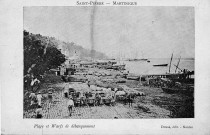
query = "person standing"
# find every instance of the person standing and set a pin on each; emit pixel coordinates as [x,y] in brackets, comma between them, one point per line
[84,99]
[50,96]
[66,91]
[70,105]
[125,98]
[130,99]
[34,83]
[113,97]
[33,98]
[81,97]
[39,98]
[97,98]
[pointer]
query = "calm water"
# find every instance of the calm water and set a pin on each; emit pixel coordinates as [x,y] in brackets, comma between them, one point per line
[143,67]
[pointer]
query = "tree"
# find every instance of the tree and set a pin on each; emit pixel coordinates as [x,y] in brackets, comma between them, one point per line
[40,55]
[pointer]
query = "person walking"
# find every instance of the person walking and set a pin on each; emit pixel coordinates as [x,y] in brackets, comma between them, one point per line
[70,105]
[39,112]
[39,98]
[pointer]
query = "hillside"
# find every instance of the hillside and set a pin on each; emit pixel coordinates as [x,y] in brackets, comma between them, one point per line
[68,48]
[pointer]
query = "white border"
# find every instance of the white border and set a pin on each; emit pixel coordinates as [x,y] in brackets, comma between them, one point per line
[11,67]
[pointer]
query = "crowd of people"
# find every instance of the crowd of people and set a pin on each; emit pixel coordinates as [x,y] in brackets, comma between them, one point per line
[75,98]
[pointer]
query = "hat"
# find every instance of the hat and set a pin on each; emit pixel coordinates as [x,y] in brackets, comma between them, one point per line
[39,92]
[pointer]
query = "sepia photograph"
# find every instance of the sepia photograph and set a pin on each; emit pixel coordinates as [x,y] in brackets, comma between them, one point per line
[108,62]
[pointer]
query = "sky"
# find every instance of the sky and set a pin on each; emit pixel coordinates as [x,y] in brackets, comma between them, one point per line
[127,32]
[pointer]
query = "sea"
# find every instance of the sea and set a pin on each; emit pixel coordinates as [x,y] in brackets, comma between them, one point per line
[146,68]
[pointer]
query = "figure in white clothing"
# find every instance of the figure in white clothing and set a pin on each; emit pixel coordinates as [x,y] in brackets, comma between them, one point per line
[70,105]
[39,98]
[33,98]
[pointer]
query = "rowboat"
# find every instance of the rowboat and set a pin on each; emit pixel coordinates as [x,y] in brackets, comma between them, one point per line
[164,65]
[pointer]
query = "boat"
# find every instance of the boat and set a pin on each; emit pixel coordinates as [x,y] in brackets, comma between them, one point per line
[132,77]
[143,59]
[137,59]
[164,65]
[178,90]
[118,67]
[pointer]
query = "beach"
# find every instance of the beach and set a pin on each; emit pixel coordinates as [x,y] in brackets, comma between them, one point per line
[155,103]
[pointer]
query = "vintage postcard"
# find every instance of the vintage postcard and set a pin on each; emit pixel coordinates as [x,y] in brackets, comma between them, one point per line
[105,67]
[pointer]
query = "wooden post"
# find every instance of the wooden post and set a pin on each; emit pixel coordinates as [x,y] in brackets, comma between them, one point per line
[140,80]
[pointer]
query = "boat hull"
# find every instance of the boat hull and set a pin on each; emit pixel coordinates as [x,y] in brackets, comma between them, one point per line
[161,65]
[178,91]
[118,67]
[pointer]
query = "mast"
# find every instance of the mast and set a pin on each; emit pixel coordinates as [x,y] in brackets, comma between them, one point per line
[170,62]
[119,55]
[177,64]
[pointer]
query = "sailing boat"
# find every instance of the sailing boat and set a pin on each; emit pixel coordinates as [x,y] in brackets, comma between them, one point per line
[165,65]
[119,66]
[135,57]
[177,66]
[170,62]
[143,59]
